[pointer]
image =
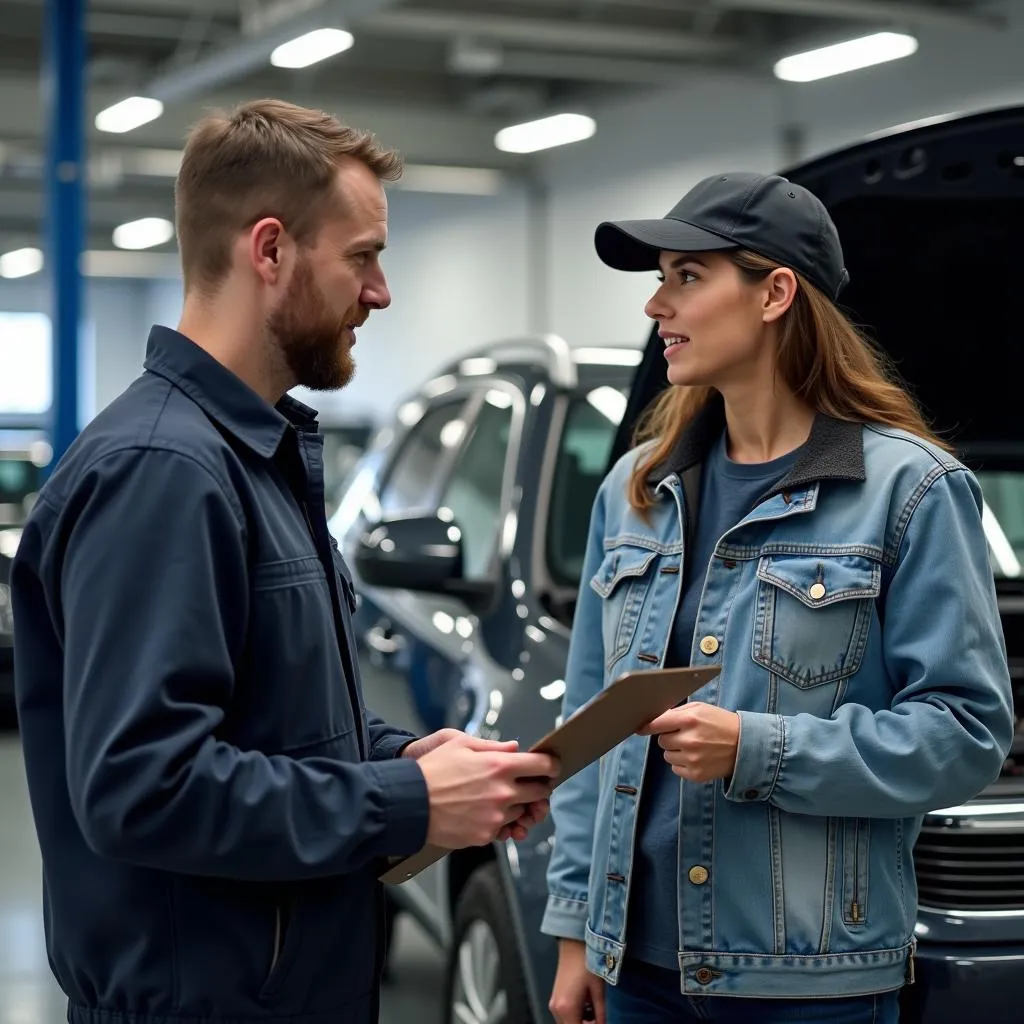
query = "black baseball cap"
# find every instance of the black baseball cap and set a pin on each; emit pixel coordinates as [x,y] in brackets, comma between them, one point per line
[764,213]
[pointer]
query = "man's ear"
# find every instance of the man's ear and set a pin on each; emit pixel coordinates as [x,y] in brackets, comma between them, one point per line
[781,287]
[269,246]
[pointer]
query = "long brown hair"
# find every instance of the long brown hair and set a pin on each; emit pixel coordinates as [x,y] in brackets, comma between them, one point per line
[824,360]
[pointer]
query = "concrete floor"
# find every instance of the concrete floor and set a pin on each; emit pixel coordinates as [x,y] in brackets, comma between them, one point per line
[28,993]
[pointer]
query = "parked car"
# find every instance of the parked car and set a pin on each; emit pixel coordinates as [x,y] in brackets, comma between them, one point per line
[484,493]
[23,456]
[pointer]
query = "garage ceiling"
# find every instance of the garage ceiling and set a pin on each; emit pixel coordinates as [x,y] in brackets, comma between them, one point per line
[437,78]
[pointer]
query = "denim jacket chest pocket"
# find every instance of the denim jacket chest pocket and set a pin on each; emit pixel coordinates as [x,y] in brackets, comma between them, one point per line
[813,615]
[622,581]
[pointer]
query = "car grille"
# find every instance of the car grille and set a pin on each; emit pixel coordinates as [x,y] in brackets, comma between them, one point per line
[971,863]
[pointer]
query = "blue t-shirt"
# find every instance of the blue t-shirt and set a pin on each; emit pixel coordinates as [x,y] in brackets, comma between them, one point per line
[728,492]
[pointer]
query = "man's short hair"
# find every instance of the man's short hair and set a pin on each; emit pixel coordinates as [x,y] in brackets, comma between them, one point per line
[267,158]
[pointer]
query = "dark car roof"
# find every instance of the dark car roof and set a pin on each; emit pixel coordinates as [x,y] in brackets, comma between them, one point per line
[931,218]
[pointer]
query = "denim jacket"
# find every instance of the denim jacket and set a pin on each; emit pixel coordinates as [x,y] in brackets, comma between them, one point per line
[853,614]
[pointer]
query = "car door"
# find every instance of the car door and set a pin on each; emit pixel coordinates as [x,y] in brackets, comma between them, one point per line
[410,481]
[424,666]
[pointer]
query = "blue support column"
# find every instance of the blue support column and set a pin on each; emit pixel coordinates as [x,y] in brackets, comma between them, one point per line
[64,93]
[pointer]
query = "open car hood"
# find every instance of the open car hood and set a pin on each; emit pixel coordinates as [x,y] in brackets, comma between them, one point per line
[931,219]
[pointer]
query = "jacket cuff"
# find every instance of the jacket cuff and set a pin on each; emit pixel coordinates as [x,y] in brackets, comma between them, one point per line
[565,918]
[391,745]
[758,757]
[406,806]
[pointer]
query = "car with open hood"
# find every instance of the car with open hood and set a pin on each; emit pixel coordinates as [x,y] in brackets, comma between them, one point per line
[465,617]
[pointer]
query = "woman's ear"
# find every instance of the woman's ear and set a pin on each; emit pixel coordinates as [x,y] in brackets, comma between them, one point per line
[780,291]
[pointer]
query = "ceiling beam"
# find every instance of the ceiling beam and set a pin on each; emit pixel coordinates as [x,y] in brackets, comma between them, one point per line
[25,205]
[576,67]
[144,26]
[423,134]
[547,33]
[910,14]
[247,53]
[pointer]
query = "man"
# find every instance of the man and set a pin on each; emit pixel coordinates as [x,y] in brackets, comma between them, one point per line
[212,800]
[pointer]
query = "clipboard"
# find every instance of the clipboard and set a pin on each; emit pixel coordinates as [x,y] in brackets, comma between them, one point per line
[622,707]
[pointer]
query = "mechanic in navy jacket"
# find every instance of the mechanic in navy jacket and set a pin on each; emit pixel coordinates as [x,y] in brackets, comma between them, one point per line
[212,800]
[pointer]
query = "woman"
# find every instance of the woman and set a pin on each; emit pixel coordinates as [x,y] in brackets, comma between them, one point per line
[791,519]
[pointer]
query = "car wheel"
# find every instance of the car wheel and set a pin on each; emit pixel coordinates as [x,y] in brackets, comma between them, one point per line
[485,982]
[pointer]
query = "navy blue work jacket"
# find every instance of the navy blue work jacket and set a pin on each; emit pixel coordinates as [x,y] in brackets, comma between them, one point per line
[212,799]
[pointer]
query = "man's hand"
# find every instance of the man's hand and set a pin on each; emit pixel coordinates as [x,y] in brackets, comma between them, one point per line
[700,740]
[426,744]
[484,790]
[532,814]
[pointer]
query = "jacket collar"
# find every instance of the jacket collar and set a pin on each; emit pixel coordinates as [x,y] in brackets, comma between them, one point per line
[224,397]
[834,450]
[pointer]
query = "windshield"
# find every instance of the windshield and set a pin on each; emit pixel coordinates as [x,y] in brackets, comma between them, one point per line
[1003,519]
[592,420]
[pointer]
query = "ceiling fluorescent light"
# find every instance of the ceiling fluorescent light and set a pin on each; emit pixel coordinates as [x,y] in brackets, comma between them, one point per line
[852,55]
[557,130]
[146,265]
[21,262]
[314,46]
[154,163]
[470,181]
[144,233]
[128,114]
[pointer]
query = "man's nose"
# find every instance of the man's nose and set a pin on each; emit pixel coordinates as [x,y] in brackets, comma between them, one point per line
[376,294]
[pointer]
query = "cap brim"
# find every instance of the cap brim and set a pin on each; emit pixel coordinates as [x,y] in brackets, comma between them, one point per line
[637,244]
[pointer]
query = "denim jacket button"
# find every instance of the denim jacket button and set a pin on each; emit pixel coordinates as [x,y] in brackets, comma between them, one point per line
[709,645]
[704,975]
[698,874]
[609,961]
[751,794]
[817,591]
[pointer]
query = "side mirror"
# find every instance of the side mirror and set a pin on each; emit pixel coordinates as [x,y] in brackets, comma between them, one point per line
[418,552]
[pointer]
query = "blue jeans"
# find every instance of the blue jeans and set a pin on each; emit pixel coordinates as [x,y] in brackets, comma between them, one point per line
[650,995]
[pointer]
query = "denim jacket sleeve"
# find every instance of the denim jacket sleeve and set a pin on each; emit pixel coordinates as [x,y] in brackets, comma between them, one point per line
[950,724]
[574,802]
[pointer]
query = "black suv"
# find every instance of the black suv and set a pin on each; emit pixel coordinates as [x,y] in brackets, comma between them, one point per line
[467,522]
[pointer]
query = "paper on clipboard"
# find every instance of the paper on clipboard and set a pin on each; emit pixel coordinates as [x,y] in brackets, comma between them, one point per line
[616,713]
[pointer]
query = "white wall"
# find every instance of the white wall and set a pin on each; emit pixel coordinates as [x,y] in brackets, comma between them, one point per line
[458,269]
[113,342]
[648,152]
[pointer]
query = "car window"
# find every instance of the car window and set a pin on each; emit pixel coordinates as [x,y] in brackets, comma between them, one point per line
[591,422]
[413,480]
[474,489]
[1003,519]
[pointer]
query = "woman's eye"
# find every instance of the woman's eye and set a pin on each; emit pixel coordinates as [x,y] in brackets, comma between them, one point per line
[686,277]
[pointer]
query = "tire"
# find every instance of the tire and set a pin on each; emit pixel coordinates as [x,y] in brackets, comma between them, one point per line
[484,981]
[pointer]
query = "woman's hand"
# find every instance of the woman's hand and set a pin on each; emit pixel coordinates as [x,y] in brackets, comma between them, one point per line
[575,988]
[700,740]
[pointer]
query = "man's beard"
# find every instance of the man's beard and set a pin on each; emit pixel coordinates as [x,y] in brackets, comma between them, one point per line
[310,337]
